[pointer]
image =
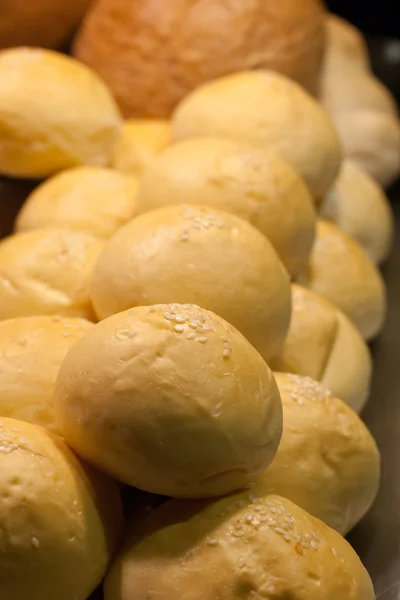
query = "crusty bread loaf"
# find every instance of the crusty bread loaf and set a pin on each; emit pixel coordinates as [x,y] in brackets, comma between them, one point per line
[152,52]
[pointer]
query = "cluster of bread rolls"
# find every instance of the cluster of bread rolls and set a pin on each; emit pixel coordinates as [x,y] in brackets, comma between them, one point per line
[185,306]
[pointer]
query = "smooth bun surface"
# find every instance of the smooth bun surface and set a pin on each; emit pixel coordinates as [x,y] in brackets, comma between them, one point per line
[195,254]
[341,271]
[153,53]
[40,23]
[346,49]
[95,200]
[170,399]
[337,477]
[140,142]
[59,520]
[271,112]
[237,547]
[322,343]
[54,114]
[47,272]
[360,208]
[31,351]
[252,183]
[371,139]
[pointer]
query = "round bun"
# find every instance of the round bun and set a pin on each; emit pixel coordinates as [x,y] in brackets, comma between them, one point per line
[140,142]
[54,114]
[60,521]
[372,139]
[46,272]
[31,351]
[237,547]
[195,254]
[341,271]
[323,344]
[163,51]
[91,199]
[346,49]
[360,208]
[271,112]
[170,399]
[40,23]
[251,183]
[323,431]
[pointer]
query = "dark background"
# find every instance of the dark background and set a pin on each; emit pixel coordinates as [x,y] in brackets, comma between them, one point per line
[373,16]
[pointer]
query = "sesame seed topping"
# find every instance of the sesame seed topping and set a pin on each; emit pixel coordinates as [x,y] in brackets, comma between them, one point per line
[179,319]
[314,545]
[316,536]
[241,562]
[35,542]
[191,335]
[202,340]
[226,353]
[179,328]
[212,542]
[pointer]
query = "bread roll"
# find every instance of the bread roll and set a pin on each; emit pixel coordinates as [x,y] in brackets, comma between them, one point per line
[337,477]
[59,521]
[241,546]
[40,23]
[323,344]
[170,399]
[341,271]
[31,351]
[346,49]
[140,142]
[251,183]
[54,114]
[46,272]
[371,139]
[360,208]
[153,53]
[271,112]
[95,200]
[195,254]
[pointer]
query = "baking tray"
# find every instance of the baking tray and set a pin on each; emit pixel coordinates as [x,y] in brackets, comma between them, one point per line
[377,538]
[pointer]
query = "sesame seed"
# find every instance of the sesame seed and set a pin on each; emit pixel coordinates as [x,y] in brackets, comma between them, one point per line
[191,335]
[35,542]
[212,542]
[316,536]
[202,340]
[280,530]
[226,353]
[314,545]
[224,338]
[179,319]
[241,562]
[179,328]
[286,537]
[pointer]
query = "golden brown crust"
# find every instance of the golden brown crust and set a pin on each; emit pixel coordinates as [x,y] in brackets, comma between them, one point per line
[152,53]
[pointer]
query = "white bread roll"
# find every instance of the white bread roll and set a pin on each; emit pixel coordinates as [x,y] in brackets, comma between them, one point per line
[31,351]
[322,343]
[170,399]
[271,112]
[54,114]
[91,199]
[59,520]
[371,139]
[139,143]
[341,271]
[195,254]
[46,272]
[252,183]
[346,49]
[327,461]
[243,546]
[360,208]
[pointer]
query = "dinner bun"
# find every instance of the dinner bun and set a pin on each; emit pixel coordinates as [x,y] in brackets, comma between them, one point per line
[170,399]
[346,49]
[91,199]
[360,208]
[237,547]
[139,143]
[325,345]
[195,254]
[153,53]
[341,271]
[46,272]
[323,430]
[54,114]
[31,351]
[40,23]
[251,183]
[371,138]
[60,521]
[271,112]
